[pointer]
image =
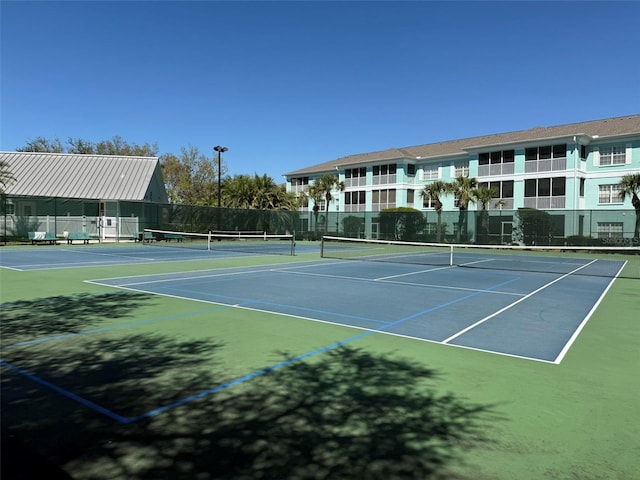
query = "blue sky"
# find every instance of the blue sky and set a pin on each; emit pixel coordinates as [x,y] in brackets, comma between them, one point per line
[286,85]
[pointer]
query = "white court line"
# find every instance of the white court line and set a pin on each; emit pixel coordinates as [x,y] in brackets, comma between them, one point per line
[480,322]
[193,274]
[569,343]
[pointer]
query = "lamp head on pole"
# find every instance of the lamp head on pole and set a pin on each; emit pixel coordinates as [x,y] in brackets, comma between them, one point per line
[220,149]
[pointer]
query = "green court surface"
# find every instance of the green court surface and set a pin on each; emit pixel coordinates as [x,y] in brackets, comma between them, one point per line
[107,383]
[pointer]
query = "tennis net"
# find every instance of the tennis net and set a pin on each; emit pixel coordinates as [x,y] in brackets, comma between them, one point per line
[596,261]
[233,242]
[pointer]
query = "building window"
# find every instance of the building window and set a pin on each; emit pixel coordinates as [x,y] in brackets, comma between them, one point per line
[615,155]
[609,194]
[430,173]
[545,192]
[298,184]
[610,229]
[304,202]
[411,195]
[549,158]
[496,163]
[9,209]
[411,169]
[355,201]
[355,177]
[384,174]
[504,192]
[461,169]
[427,203]
[384,199]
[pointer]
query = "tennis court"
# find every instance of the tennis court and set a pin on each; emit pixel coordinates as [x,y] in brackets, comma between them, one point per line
[529,315]
[130,334]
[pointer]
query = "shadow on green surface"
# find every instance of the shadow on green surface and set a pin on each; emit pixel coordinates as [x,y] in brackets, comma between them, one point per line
[26,320]
[348,414]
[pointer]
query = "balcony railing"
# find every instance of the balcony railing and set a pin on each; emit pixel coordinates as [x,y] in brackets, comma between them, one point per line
[355,208]
[381,206]
[355,182]
[546,165]
[495,169]
[544,202]
[384,179]
[507,204]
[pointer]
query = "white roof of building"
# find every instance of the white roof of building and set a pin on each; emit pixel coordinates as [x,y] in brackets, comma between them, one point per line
[103,177]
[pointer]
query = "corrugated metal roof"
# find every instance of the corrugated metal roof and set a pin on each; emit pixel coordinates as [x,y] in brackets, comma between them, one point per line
[610,127]
[98,177]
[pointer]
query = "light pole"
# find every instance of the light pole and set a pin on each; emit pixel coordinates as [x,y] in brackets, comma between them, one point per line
[219,149]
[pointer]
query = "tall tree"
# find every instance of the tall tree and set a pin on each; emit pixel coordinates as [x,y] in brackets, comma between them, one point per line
[327,184]
[433,192]
[484,195]
[118,146]
[462,188]
[258,192]
[323,187]
[114,146]
[630,187]
[41,144]
[191,178]
[80,146]
[315,193]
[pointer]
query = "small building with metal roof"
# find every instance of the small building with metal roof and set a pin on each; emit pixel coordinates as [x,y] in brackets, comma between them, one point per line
[91,190]
[92,177]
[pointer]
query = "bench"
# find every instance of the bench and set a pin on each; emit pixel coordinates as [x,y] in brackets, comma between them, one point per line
[172,236]
[84,236]
[145,237]
[37,237]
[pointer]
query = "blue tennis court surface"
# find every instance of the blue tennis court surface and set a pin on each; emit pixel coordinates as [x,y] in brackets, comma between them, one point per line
[528,315]
[50,257]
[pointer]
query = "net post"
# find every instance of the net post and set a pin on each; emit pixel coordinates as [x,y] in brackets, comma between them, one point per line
[322,247]
[451,256]
[209,240]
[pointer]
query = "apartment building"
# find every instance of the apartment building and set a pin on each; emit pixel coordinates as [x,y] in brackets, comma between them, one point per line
[566,168]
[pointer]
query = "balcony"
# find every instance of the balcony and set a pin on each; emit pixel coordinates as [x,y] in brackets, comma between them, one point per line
[384,179]
[545,165]
[543,203]
[507,204]
[355,182]
[495,169]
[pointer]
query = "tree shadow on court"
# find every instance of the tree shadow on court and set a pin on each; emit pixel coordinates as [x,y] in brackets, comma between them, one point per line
[66,400]
[354,414]
[30,319]
[345,414]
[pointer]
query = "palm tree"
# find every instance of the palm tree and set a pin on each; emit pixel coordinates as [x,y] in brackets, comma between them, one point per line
[462,188]
[432,192]
[322,187]
[483,195]
[315,193]
[630,187]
